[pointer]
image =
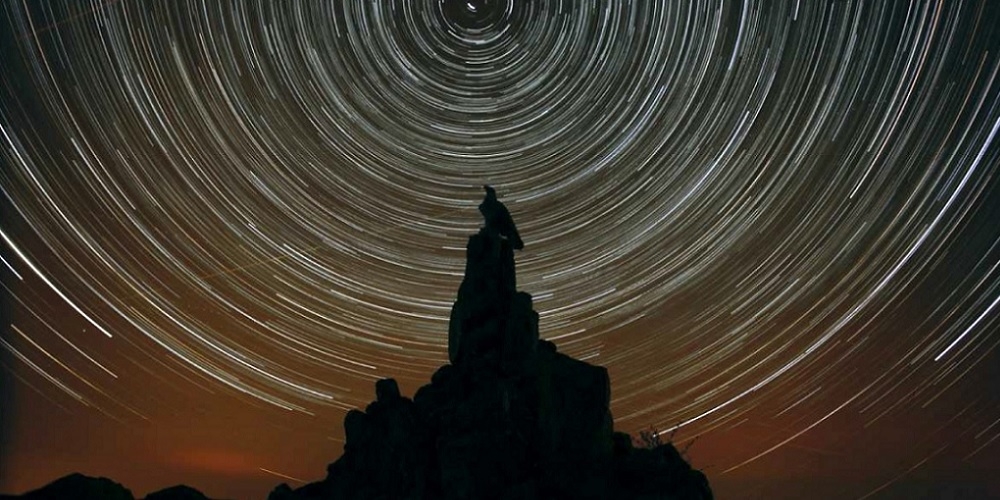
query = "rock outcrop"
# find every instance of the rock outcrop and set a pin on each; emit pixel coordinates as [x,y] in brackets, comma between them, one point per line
[509,418]
[79,487]
[179,492]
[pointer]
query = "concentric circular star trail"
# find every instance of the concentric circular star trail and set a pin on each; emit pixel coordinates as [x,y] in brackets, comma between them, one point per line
[771,221]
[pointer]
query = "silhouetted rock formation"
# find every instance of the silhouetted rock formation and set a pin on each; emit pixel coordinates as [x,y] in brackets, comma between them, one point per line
[509,418]
[77,487]
[497,218]
[179,492]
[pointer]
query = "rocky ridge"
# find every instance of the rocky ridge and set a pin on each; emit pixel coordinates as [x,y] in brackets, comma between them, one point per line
[77,486]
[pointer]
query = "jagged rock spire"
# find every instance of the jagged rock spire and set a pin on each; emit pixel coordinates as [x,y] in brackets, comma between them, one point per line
[491,321]
[510,417]
[498,219]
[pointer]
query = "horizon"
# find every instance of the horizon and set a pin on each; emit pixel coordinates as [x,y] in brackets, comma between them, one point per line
[774,225]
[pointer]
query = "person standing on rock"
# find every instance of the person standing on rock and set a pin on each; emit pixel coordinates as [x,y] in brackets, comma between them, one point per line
[498,219]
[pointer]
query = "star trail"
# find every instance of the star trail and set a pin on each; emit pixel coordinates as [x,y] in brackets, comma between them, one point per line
[775,223]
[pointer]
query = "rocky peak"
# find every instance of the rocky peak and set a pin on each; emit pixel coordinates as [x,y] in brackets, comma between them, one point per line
[491,322]
[510,417]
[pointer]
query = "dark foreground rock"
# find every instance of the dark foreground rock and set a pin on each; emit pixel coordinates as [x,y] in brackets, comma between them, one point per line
[509,418]
[80,487]
[77,487]
[179,492]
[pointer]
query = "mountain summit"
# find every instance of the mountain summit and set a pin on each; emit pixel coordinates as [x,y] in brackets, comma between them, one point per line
[509,418]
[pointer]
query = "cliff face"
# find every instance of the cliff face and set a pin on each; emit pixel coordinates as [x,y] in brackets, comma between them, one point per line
[509,418]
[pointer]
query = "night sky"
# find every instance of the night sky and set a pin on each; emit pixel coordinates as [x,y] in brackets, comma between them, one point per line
[777,224]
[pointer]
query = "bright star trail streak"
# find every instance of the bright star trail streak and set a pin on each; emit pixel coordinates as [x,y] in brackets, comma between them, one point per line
[777,224]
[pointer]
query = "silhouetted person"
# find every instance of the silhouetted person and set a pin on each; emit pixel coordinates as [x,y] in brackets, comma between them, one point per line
[498,219]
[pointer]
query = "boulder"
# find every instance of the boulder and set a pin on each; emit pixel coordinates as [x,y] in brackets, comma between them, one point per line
[179,492]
